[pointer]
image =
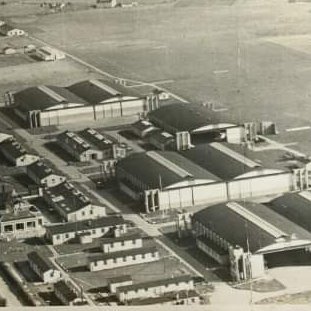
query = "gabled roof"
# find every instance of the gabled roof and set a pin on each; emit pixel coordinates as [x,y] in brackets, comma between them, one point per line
[40,170]
[185,117]
[161,137]
[43,263]
[96,139]
[74,141]
[85,225]
[165,168]
[17,216]
[97,91]
[13,148]
[253,224]
[46,98]
[142,125]
[66,290]
[294,206]
[221,160]
[67,198]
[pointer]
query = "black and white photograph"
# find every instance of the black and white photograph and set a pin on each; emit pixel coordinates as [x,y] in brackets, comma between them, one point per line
[155,154]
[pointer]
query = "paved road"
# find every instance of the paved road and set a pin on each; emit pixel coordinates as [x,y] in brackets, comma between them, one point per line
[68,278]
[38,145]
[224,293]
[5,291]
[72,172]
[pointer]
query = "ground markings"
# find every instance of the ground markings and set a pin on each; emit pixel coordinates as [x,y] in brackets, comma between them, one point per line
[275,145]
[107,74]
[295,129]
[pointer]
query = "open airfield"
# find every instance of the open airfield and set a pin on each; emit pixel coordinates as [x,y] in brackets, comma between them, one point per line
[253,57]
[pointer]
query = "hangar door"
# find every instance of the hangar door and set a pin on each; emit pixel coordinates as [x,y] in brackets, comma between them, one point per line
[292,257]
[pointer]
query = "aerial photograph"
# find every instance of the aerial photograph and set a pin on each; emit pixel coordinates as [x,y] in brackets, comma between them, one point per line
[155,153]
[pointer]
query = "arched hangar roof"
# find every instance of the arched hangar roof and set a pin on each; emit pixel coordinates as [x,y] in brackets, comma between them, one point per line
[46,97]
[164,169]
[253,225]
[225,162]
[294,206]
[100,91]
[187,117]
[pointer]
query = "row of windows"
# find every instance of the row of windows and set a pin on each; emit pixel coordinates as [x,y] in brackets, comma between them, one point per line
[124,259]
[214,237]
[67,235]
[154,288]
[83,212]
[21,226]
[112,244]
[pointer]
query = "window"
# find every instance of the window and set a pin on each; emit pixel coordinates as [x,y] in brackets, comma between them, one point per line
[91,212]
[20,226]
[93,231]
[40,222]
[83,213]
[103,230]
[67,235]
[31,224]
[8,228]
[58,237]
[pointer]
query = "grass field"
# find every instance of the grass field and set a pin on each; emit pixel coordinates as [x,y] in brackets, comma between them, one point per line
[166,267]
[295,299]
[251,56]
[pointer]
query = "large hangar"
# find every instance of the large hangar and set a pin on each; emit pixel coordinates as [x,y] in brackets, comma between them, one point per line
[294,206]
[47,105]
[113,100]
[242,235]
[206,174]
[199,122]
[171,181]
[83,101]
[193,118]
[246,177]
